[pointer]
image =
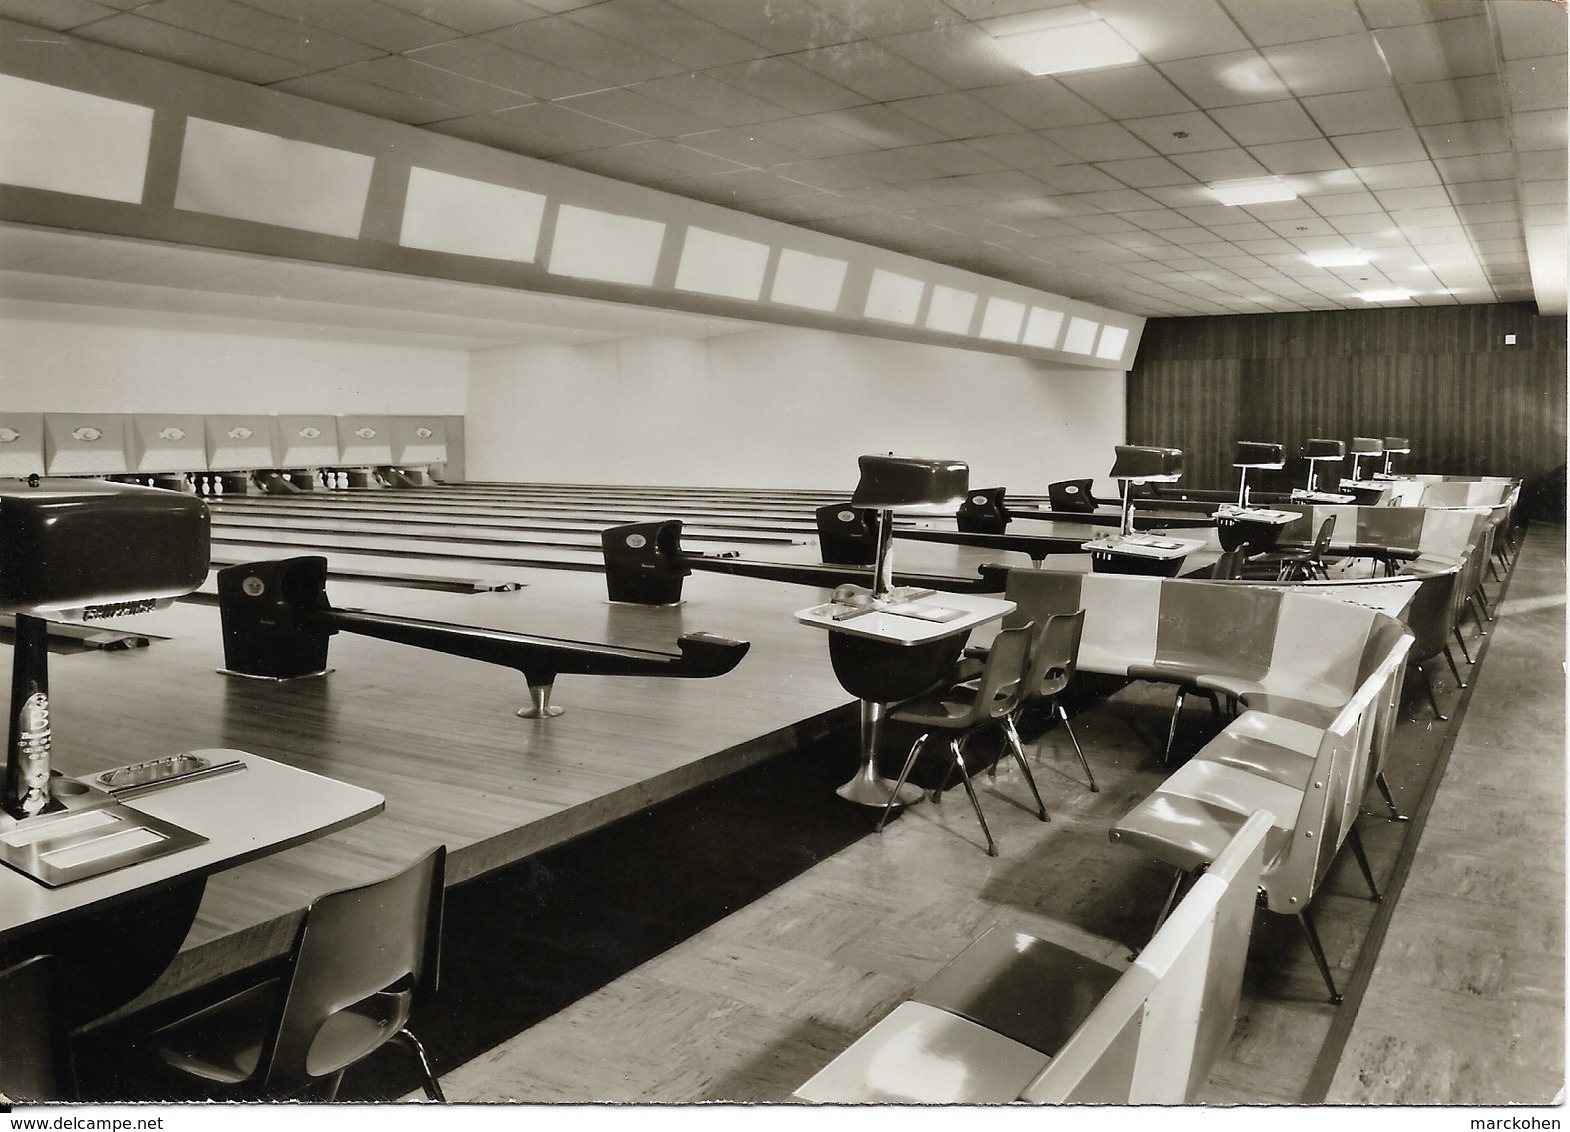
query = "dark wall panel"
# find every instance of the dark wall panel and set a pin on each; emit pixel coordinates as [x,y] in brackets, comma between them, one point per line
[1443,376]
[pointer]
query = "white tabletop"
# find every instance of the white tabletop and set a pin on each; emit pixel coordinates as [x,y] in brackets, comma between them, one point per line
[886,624]
[1145,546]
[267,807]
[1256,515]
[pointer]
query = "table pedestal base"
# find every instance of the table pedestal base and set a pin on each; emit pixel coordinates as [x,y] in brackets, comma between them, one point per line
[870,788]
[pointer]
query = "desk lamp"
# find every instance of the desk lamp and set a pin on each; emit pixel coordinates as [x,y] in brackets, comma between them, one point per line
[1365,446]
[80,550]
[1394,446]
[904,482]
[1136,464]
[1318,449]
[1255,454]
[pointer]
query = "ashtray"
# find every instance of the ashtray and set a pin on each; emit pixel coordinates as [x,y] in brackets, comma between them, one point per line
[163,772]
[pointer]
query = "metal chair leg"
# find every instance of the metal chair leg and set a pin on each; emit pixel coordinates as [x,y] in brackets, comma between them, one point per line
[1177,709]
[1428,686]
[433,1088]
[1019,756]
[1460,640]
[1390,801]
[904,773]
[1319,955]
[1482,599]
[964,775]
[1063,715]
[1355,839]
[1454,671]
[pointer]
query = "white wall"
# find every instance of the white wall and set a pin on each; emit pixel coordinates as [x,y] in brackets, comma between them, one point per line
[66,367]
[782,408]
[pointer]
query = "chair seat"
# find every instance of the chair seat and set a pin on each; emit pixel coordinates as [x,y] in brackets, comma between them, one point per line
[1172,671]
[951,709]
[1188,832]
[1320,692]
[1282,750]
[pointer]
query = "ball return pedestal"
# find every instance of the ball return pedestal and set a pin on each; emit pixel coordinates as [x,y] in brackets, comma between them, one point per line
[277,623]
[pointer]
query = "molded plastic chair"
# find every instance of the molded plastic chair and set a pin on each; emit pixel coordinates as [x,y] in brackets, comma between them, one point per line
[963,710]
[1309,562]
[1229,565]
[364,958]
[1053,657]
[35,1048]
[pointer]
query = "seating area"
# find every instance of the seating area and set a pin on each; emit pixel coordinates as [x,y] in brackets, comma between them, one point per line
[1016,1018]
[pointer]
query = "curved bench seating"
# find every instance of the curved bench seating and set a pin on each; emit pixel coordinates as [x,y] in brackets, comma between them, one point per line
[1313,776]
[1013,1017]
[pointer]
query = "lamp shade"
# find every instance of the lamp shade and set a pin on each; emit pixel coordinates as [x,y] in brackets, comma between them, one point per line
[1319,448]
[1398,444]
[1256,454]
[1367,446]
[906,481]
[1139,463]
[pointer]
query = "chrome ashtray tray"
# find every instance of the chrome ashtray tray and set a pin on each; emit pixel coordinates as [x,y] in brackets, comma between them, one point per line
[166,771]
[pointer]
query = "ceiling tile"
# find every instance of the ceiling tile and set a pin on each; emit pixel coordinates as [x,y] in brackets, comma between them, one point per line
[338,89]
[1260,123]
[807,137]
[1162,132]
[496,131]
[1172,29]
[1438,51]
[1268,22]
[1145,172]
[1381,145]
[668,31]
[405,75]
[891,17]
[743,146]
[580,131]
[879,126]
[1024,151]
[1536,84]
[1362,112]
[1040,104]
[1527,31]
[1403,175]
[779,27]
[489,62]
[473,16]
[1106,141]
[313,48]
[1329,66]
[56,15]
[626,106]
[870,71]
[1460,101]
[1483,167]
[1128,92]
[380,25]
[1219,165]
[705,97]
[788,85]
[964,56]
[957,115]
[558,40]
[1226,80]
[955,158]
[1287,158]
[176,45]
[823,175]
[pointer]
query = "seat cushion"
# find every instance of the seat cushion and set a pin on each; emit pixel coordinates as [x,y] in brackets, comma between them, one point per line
[223,1042]
[1282,750]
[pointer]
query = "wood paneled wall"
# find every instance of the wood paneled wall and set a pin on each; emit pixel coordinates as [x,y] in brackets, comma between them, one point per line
[1442,376]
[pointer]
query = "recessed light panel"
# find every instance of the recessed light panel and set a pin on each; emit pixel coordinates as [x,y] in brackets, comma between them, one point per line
[893,297]
[590,244]
[1254,190]
[713,263]
[1003,320]
[1077,47]
[250,175]
[1349,258]
[805,280]
[444,213]
[1113,339]
[1394,295]
[1081,335]
[67,141]
[1042,328]
[951,310]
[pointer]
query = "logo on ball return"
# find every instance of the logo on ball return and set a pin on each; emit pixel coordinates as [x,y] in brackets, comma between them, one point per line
[637,542]
[253,586]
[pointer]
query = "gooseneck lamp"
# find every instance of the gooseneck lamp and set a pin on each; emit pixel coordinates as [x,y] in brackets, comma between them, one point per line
[904,482]
[1139,464]
[1255,454]
[1319,449]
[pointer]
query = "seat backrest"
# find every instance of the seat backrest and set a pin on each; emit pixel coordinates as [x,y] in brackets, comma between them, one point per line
[1003,679]
[1229,565]
[1322,540]
[1155,1037]
[1053,654]
[35,1053]
[353,944]
[1343,770]
[1431,612]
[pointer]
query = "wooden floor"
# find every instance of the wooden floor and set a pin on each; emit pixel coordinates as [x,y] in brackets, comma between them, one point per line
[748,1009]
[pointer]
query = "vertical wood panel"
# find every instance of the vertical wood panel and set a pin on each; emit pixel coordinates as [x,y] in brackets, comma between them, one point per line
[1439,375]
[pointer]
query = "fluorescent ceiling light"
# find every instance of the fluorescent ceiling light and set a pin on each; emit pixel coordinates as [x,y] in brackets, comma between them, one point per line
[1395,295]
[1254,190]
[1077,47]
[1351,258]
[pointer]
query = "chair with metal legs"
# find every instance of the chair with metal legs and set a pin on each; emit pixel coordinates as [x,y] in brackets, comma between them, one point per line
[363,959]
[1308,563]
[1053,657]
[965,709]
[35,1046]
